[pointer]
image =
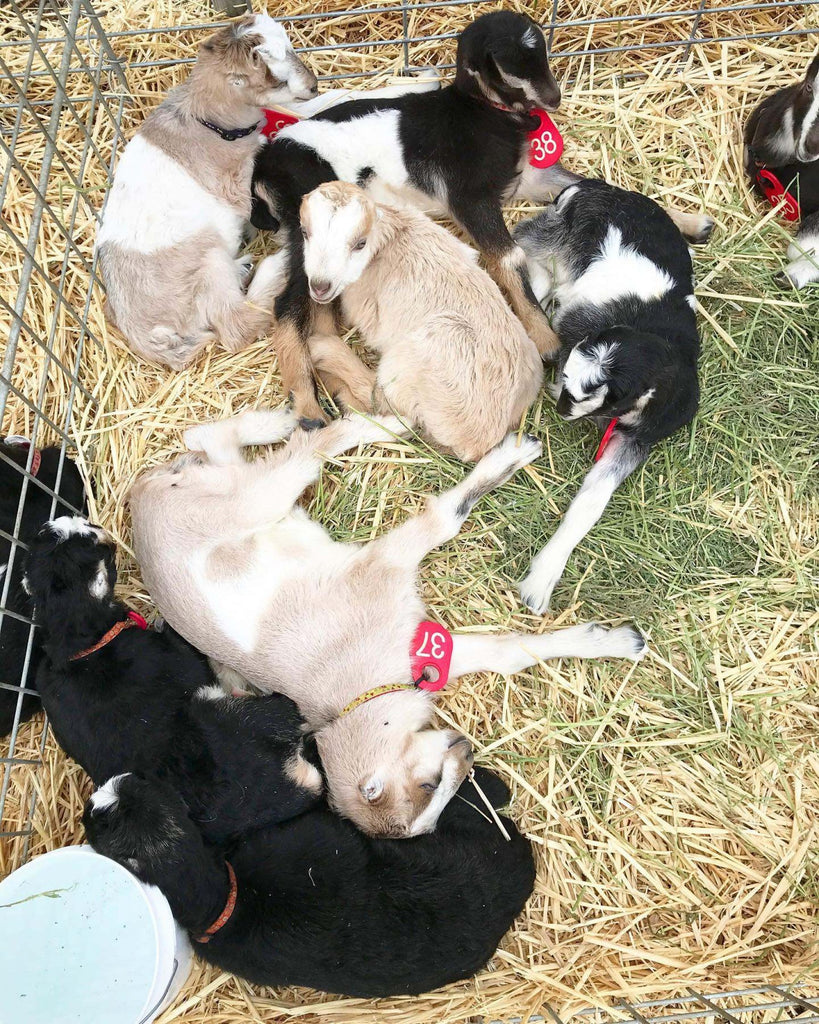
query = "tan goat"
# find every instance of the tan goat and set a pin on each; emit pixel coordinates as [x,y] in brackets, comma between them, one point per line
[173,223]
[454,360]
[245,575]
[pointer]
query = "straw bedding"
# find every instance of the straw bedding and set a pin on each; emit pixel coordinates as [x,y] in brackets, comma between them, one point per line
[675,805]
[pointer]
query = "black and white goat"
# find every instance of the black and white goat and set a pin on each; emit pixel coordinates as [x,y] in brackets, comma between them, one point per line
[314,902]
[782,156]
[55,482]
[622,283]
[123,700]
[462,151]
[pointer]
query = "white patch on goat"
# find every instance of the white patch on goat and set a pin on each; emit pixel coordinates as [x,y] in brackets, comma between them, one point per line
[618,270]
[72,526]
[107,796]
[585,370]
[523,84]
[692,302]
[804,256]
[529,38]
[211,692]
[328,252]
[276,45]
[282,552]
[635,413]
[154,203]
[98,587]
[371,140]
[807,125]
[303,773]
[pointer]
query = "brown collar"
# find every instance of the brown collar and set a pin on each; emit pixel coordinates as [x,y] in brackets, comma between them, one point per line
[134,619]
[230,906]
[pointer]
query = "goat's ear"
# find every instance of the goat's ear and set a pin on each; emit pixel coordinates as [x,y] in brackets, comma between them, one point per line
[372,789]
[813,70]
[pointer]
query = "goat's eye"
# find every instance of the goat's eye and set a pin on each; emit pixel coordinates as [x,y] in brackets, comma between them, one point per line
[430,787]
[359,245]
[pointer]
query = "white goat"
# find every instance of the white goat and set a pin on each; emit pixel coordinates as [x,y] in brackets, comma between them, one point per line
[455,360]
[172,227]
[241,571]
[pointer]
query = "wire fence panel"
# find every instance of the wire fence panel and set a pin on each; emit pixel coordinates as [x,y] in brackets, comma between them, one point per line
[59,68]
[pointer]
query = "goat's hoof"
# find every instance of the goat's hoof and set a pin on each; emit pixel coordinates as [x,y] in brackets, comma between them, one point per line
[706,230]
[781,280]
[311,424]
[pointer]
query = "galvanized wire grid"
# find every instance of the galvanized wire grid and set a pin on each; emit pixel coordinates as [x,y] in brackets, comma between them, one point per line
[67,50]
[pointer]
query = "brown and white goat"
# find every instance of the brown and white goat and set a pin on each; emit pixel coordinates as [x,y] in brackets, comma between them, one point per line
[245,575]
[454,359]
[172,227]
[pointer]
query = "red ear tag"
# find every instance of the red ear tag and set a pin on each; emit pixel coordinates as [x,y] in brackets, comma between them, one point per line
[545,142]
[604,441]
[275,120]
[138,619]
[431,649]
[775,191]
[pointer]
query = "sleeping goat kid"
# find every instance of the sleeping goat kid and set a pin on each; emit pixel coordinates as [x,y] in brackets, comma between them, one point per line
[625,317]
[56,484]
[244,574]
[121,699]
[321,905]
[170,236]
[782,138]
[454,360]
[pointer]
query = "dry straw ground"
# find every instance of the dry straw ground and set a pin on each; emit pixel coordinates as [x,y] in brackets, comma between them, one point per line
[675,806]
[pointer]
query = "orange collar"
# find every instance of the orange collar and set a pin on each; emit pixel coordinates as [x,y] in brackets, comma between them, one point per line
[230,906]
[134,619]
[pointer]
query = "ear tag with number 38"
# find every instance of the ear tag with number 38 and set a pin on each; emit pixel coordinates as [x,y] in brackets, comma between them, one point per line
[545,142]
[431,650]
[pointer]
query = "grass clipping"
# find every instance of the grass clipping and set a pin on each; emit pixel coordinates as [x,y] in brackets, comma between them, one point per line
[673,806]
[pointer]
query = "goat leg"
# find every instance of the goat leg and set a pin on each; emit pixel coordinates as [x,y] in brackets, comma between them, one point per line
[487,652]
[446,513]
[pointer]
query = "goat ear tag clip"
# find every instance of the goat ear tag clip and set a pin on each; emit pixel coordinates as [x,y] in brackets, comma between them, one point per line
[775,191]
[275,120]
[431,649]
[545,142]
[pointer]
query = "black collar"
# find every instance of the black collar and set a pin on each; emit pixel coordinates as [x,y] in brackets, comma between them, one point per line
[230,134]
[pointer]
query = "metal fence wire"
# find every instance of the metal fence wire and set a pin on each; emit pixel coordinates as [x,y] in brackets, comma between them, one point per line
[59,68]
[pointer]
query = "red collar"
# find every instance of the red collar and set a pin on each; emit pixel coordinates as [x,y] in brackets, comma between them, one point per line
[24,442]
[134,619]
[604,441]
[230,906]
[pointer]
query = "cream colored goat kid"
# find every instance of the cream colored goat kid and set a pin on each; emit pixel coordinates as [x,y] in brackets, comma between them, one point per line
[245,575]
[454,359]
[172,228]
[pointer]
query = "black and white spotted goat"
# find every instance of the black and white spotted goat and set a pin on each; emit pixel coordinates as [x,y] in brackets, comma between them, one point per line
[620,274]
[122,699]
[782,156]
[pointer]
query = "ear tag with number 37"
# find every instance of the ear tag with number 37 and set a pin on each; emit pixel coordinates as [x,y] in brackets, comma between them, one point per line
[431,653]
[545,142]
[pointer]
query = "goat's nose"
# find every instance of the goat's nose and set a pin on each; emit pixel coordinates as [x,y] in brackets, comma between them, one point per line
[320,288]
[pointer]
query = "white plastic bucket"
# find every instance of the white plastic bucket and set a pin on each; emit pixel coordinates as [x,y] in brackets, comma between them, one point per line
[82,941]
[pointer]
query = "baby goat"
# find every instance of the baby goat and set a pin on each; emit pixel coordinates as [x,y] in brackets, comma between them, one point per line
[319,904]
[454,359]
[623,287]
[170,236]
[24,507]
[782,155]
[241,571]
[123,699]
